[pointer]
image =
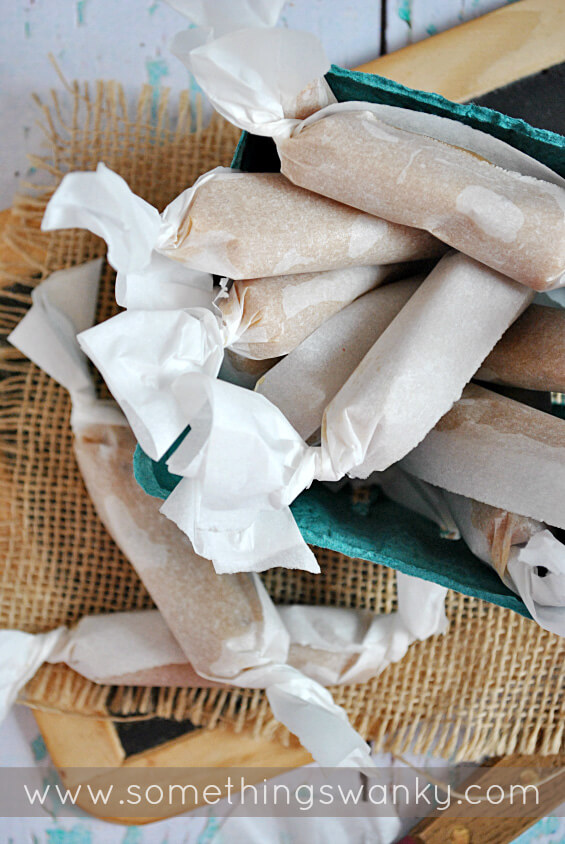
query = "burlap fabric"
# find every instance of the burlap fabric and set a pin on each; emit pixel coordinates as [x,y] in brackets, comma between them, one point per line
[490,686]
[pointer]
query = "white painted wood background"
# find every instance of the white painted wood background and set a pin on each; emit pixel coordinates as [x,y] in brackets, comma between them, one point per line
[127,40]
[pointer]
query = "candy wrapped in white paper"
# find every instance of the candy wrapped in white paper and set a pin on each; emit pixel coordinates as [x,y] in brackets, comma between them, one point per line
[243,463]
[330,645]
[531,354]
[508,221]
[21,654]
[137,647]
[498,451]
[391,162]
[233,224]
[419,366]
[527,556]
[269,317]
[306,380]
[252,645]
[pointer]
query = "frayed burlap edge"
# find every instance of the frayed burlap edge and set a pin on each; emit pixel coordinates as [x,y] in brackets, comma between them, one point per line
[490,686]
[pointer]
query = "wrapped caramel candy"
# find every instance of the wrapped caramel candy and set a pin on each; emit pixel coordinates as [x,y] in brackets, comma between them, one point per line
[527,555]
[498,451]
[307,379]
[476,193]
[512,223]
[269,317]
[232,224]
[531,354]
[207,614]
[418,367]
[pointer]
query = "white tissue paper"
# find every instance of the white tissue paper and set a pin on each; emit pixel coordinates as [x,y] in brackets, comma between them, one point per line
[242,465]
[104,647]
[21,654]
[102,202]
[64,304]
[543,596]
[218,16]
[140,354]
[257,94]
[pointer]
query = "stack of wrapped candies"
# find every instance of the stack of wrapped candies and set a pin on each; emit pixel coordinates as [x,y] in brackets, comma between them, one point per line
[326,322]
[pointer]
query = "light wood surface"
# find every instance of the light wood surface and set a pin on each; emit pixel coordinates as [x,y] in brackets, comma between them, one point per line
[78,745]
[483,54]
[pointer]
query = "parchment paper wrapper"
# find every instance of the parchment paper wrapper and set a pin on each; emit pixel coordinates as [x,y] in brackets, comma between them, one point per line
[402,387]
[410,167]
[269,317]
[232,224]
[307,379]
[102,202]
[418,367]
[62,305]
[244,371]
[227,628]
[526,555]
[523,551]
[513,223]
[531,354]
[125,648]
[498,451]
[331,645]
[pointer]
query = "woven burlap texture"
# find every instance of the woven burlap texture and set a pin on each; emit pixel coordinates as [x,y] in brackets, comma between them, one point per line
[490,686]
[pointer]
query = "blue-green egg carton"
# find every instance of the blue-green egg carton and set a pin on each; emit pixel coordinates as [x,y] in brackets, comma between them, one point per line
[378,529]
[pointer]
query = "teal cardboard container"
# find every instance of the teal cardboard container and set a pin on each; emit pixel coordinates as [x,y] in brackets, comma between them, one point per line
[378,529]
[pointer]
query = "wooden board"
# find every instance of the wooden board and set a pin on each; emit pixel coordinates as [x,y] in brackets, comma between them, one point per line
[481,55]
[482,826]
[77,743]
